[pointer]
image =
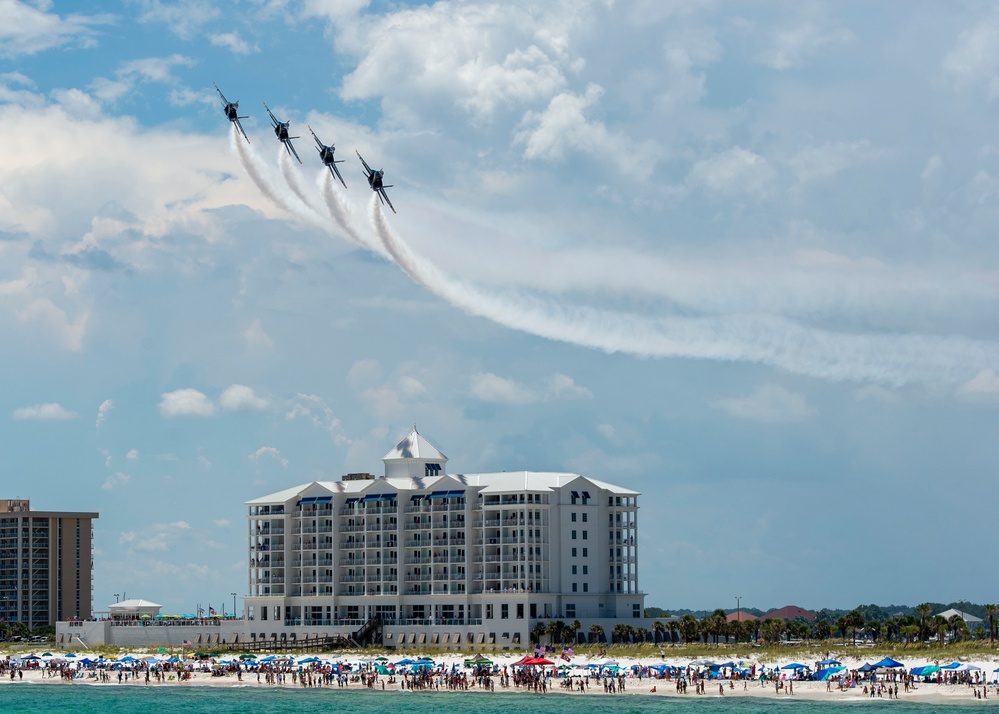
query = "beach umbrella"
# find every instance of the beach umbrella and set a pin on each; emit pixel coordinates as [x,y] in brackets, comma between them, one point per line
[952,665]
[247,656]
[794,665]
[888,662]
[828,662]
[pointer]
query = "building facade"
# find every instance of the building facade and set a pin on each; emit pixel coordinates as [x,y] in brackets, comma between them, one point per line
[473,558]
[46,564]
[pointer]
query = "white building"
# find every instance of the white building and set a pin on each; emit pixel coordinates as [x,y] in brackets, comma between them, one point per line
[442,558]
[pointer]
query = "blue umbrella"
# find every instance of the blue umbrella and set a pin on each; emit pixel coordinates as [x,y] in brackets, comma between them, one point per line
[794,665]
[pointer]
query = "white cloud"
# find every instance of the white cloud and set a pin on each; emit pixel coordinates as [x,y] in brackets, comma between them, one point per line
[268,452]
[735,170]
[184,17]
[794,46]
[233,42]
[186,402]
[102,411]
[411,387]
[134,72]
[364,372]
[115,480]
[985,383]
[43,412]
[28,28]
[819,162]
[132,455]
[770,403]
[974,59]
[318,412]
[222,522]
[255,336]
[488,387]
[240,398]
[562,386]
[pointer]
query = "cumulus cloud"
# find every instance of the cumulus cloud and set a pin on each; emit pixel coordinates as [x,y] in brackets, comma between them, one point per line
[770,403]
[115,480]
[233,42]
[222,522]
[240,398]
[974,59]
[184,17]
[314,408]
[28,28]
[562,386]
[257,337]
[488,387]
[268,452]
[49,411]
[186,402]
[733,171]
[132,455]
[985,383]
[793,46]
[102,411]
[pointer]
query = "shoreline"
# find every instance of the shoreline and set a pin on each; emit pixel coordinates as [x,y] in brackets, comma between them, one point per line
[812,691]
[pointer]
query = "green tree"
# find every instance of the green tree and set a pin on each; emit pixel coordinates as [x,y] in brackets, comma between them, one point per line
[597,633]
[659,630]
[689,627]
[991,610]
[854,619]
[538,631]
[924,610]
[823,629]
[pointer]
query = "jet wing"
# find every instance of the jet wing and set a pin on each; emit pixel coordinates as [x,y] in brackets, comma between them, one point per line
[318,143]
[273,118]
[291,148]
[240,127]
[367,168]
[336,172]
[382,194]
[220,93]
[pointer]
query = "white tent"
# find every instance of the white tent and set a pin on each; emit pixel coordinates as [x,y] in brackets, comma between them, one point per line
[130,609]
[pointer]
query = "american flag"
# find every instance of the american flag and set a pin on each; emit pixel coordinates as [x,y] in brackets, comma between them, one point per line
[211,610]
[539,650]
[567,653]
[187,643]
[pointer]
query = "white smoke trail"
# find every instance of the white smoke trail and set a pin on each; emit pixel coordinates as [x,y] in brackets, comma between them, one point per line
[774,341]
[293,180]
[340,212]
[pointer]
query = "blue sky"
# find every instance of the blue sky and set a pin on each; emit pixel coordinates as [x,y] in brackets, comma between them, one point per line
[740,257]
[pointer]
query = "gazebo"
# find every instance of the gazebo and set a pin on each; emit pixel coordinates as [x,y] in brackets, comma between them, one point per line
[133,609]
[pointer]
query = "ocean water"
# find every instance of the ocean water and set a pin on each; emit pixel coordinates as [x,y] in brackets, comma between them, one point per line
[77,699]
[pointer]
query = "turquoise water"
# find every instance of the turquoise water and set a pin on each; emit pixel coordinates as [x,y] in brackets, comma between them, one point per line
[73,699]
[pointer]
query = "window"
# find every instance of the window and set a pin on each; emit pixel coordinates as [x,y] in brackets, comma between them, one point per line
[489,612]
[586,587]
[575,587]
[574,535]
[574,569]
[573,517]
[575,497]
[585,552]
[520,611]
[573,552]
[584,534]
[636,610]
[570,609]
[505,611]
[584,517]
[586,570]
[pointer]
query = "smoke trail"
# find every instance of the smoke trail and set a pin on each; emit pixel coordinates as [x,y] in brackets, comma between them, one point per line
[290,203]
[252,167]
[292,179]
[774,341]
[340,212]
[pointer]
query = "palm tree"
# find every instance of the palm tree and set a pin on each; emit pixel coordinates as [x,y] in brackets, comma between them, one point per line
[938,625]
[688,627]
[956,624]
[554,630]
[596,633]
[841,626]
[642,634]
[924,610]
[618,633]
[991,610]
[736,629]
[823,629]
[575,627]
[908,631]
[659,630]
[538,631]
[854,619]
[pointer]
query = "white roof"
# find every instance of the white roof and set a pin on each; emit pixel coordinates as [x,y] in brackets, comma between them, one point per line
[133,605]
[947,614]
[415,446]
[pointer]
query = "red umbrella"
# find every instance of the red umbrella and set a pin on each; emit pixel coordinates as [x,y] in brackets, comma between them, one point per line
[538,660]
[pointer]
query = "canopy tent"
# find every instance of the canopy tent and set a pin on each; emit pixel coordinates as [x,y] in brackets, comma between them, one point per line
[794,665]
[828,662]
[924,671]
[888,662]
[866,667]
[823,674]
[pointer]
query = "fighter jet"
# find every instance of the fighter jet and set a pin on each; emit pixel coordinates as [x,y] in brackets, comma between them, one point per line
[281,132]
[375,181]
[231,110]
[326,154]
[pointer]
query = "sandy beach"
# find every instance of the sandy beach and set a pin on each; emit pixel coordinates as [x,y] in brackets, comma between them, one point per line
[636,682]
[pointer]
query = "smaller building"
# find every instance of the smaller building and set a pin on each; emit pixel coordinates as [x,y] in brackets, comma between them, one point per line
[134,610]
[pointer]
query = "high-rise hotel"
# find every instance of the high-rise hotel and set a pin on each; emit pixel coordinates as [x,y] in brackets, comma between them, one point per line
[46,564]
[442,558]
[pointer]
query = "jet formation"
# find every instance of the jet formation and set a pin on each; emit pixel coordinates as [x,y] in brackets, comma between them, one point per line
[282,130]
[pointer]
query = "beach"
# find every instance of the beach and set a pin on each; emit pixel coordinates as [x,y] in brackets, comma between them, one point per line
[588,676]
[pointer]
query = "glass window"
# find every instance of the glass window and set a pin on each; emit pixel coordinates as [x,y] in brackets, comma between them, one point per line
[573,517]
[574,535]
[584,517]
[575,587]
[586,552]
[505,611]
[584,535]
[574,569]
[586,587]
[573,552]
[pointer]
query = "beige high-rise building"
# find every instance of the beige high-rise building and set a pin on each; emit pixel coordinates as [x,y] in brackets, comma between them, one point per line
[46,564]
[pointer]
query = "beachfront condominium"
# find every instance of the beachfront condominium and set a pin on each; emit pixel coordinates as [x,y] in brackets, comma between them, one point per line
[46,564]
[490,553]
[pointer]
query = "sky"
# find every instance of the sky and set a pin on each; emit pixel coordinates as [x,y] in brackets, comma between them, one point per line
[738,256]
